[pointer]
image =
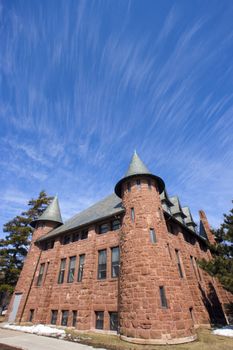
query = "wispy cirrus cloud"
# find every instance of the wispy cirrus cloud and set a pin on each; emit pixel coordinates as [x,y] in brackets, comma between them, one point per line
[85,84]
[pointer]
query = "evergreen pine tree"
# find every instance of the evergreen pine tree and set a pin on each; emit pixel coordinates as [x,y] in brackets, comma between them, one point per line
[221,266]
[14,247]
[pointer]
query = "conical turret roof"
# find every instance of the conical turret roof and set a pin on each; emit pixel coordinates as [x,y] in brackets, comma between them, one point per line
[51,213]
[137,167]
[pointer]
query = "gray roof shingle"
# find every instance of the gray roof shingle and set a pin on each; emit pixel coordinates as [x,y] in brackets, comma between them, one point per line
[106,207]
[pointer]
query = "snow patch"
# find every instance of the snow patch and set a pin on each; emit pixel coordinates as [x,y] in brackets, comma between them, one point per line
[39,329]
[225,331]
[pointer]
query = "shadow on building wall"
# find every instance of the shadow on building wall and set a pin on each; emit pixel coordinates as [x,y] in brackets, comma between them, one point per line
[213,305]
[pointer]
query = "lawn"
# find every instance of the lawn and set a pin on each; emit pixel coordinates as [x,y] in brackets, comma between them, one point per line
[206,341]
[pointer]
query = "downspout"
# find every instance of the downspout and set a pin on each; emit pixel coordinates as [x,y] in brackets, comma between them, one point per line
[30,287]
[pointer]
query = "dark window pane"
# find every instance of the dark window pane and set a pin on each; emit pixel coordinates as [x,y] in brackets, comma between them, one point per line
[31,315]
[71,271]
[67,239]
[40,276]
[163,296]
[62,271]
[116,224]
[76,236]
[152,235]
[138,182]
[149,184]
[128,186]
[99,320]
[54,316]
[81,267]
[74,318]
[169,250]
[102,264]
[115,261]
[104,228]
[132,214]
[64,317]
[113,321]
[84,234]
[179,264]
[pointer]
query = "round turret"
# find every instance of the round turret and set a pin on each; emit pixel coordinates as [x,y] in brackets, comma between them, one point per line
[51,214]
[152,303]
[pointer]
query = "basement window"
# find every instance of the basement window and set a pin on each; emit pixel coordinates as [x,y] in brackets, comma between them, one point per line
[74,318]
[113,317]
[31,315]
[99,320]
[64,317]
[54,317]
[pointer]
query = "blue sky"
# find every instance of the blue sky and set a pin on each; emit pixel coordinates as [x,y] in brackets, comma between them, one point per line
[84,83]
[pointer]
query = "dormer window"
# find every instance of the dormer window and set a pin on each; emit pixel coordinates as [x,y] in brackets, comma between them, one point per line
[103,228]
[116,224]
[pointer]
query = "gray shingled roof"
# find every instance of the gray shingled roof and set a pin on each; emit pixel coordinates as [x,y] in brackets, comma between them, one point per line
[137,167]
[189,218]
[176,208]
[106,207]
[51,213]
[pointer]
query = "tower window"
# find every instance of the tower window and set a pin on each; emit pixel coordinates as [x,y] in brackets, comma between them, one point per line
[102,264]
[74,318]
[115,261]
[152,235]
[113,316]
[132,214]
[128,186]
[40,276]
[179,264]
[81,267]
[191,314]
[169,250]
[64,317]
[54,316]
[71,271]
[99,320]
[163,298]
[62,271]
[31,315]
[138,182]
[149,183]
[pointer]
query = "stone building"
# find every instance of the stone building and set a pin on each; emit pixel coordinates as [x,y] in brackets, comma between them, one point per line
[127,264]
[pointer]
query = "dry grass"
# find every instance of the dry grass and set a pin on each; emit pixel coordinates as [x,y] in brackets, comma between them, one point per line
[206,341]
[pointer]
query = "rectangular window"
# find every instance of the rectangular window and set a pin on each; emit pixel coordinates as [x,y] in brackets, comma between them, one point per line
[138,182]
[62,271]
[81,267]
[198,270]
[84,234]
[74,318]
[103,228]
[115,261]
[193,263]
[102,264]
[76,237]
[191,314]
[31,315]
[116,224]
[54,316]
[169,250]
[64,317]
[163,298]
[179,264]
[40,276]
[113,316]
[128,186]
[99,317]
[70,277]
[170,228]
[152,235]
[67,239]
[149,184]
[132,214]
